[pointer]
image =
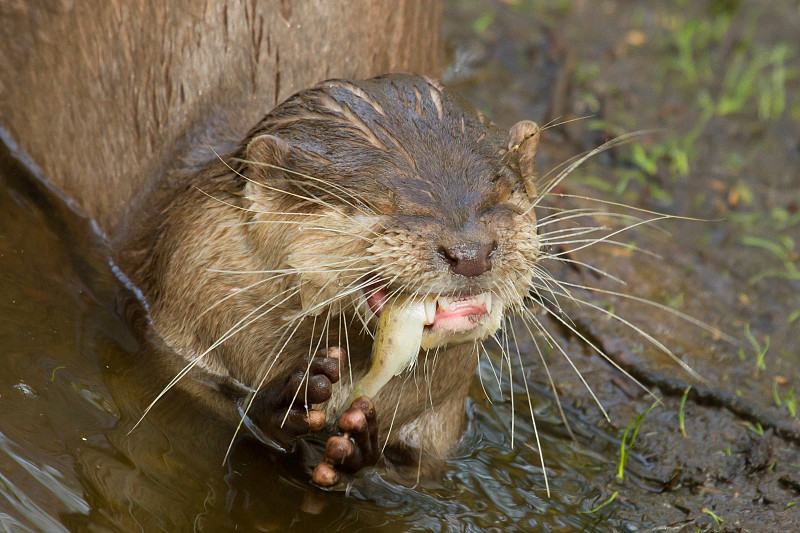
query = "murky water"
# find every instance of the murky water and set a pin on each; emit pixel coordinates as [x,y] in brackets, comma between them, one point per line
[77,368]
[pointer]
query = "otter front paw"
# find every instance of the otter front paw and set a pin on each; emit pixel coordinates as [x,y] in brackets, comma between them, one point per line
[355,449]
[283,412]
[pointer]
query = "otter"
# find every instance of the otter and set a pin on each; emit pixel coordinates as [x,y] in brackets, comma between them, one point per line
[268,268]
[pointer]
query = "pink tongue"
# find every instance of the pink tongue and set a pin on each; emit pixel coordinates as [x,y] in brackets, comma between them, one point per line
[458,317]
[460,309]
[376,298]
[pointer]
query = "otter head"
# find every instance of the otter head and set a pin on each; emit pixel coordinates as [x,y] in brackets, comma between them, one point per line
[394,188]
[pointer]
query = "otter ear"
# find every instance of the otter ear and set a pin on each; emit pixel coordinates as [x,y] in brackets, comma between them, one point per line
[266,152]
[524,141]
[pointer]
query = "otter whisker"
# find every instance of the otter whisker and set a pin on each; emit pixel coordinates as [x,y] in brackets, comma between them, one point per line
[480,372]
[505,355]
[303,224]
[566,233]
[617,232]
[589,267]
[716,332]
[297,320]
[579,161]
[491,365]
[594,214]
[435,359]
[277,214]
[339,231]
[252,396]
[562,211]
[347,343]
[563,415]
[306,376]
[236,293]
[569,361]
[320,180]
[317,269]
[554,123]
[530,408]
[589,242]
[312,199]
[602,354]
[626,206]
[196,360]
[649,337]
[394,416]
[546,279]
[511,395]
[302,184]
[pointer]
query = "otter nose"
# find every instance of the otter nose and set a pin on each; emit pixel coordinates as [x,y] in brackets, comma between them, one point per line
[469,259]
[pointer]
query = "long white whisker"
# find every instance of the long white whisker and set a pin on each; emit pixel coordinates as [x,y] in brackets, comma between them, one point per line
[688,318]
[569,361]
[238,326]
[655,342]
[602,354]
[530,407]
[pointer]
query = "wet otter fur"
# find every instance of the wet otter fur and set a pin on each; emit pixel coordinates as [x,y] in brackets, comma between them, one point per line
[270,254]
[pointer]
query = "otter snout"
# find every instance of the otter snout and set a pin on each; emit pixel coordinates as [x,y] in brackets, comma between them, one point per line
[468,259]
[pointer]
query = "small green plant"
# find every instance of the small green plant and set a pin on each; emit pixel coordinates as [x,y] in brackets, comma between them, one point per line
[482,23]
[681,410]
[761,351]
[791,403]
[626,445]
[775,396]
[675,302]
[713,515]
[608,501]
[53,374]
[783,249]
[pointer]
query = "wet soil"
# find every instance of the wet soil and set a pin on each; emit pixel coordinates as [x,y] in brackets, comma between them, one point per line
[714,87]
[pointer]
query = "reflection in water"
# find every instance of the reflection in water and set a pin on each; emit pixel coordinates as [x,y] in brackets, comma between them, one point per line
[78,368]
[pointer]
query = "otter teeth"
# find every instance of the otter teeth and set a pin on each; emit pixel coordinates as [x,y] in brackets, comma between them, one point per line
[430,310]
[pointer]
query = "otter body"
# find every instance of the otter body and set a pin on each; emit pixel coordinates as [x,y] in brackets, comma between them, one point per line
[341,199]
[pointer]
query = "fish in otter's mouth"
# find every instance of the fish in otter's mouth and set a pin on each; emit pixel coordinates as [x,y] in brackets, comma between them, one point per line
[406,324]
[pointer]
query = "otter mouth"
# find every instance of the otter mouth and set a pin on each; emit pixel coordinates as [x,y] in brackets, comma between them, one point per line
[407,324]
[452,314]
